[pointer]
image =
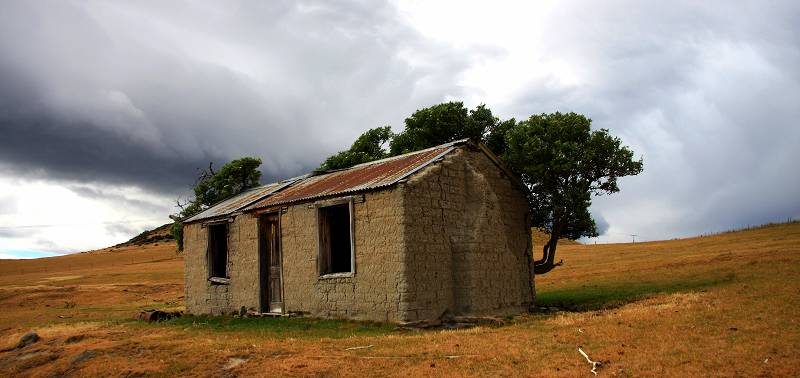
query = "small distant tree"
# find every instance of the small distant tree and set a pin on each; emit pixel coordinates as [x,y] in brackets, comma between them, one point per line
[563,163]
[368,147]
[212,187]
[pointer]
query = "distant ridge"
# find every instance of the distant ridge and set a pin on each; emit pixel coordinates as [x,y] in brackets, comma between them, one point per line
[159,234]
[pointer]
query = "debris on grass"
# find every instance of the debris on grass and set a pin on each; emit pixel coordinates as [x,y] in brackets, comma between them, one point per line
[156,315]
[234,362]
[447,321]
[595,364]
[28,339]
[83,356]
[359,347]
[74,339]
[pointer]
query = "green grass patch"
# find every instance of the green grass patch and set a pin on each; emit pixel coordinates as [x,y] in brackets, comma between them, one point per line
[605,295]
[279,327]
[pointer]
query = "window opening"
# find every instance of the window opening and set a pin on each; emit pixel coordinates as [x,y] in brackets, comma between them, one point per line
[336,239]
[218,250]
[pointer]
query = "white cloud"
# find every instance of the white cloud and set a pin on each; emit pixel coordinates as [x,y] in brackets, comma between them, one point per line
[53,218]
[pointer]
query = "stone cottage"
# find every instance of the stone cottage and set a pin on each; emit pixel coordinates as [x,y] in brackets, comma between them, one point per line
[438,232]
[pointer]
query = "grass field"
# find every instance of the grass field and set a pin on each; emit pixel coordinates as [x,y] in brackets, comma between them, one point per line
[722,305]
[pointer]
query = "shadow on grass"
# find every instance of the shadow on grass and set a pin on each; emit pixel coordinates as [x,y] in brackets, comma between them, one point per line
[602,296]
[279,327]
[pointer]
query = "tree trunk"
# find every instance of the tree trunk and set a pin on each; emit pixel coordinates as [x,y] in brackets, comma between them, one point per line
[547,263]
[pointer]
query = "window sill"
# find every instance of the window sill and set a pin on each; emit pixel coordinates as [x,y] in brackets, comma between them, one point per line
[336,275]
[220,280]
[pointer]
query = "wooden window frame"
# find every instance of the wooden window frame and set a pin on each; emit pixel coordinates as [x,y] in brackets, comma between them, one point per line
[318,206]
[211,277]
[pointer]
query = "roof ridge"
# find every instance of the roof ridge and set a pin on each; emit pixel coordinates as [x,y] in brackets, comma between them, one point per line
[448,144]
[240,202]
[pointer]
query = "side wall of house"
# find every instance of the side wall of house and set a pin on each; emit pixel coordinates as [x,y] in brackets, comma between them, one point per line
[467,239]
[373,292]
[204,297]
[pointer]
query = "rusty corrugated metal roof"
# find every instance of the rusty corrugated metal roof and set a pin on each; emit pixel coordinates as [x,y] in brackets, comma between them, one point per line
[237,202]
[372,175]
[367,176]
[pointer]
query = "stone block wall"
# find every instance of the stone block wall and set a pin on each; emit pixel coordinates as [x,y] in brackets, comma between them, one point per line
[204,297]
[373,292]
[467,240]
[195,268]
[452,240]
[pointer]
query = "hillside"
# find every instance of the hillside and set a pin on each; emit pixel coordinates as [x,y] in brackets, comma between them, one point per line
[724,305]
[541,237]
[158,234]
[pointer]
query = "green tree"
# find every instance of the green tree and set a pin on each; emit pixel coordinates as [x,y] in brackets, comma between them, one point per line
[563,163]
[441,124]
[368,147]
[213,187]
[495,139]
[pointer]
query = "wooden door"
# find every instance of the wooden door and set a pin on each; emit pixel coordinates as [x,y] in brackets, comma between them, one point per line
[270,261]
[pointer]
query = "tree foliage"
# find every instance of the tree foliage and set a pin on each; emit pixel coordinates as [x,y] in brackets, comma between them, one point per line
[495,139]
[213,187]
[558,157]
[368,147]
[425,128]
[441,124]
[563,163]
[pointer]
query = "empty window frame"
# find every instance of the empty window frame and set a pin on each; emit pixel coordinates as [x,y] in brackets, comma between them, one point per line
[218,250]
[335,225]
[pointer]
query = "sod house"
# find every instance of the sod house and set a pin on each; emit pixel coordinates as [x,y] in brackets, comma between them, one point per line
[434,233]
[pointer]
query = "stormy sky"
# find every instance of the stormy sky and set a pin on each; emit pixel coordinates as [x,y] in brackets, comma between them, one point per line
[108,109]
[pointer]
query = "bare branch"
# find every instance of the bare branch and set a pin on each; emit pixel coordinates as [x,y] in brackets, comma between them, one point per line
[595,364]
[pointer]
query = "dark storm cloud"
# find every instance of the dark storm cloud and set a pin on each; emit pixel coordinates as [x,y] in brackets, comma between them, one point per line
[144,94]
[708,94]
[147,93]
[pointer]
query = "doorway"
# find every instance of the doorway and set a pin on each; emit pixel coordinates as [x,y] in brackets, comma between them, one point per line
[270,263]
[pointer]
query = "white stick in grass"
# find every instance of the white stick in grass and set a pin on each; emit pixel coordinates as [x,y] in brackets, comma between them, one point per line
[595,364]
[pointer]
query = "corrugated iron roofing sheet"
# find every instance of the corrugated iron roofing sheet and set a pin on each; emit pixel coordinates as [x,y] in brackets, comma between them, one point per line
[235,203]
[372,175]
[365,176]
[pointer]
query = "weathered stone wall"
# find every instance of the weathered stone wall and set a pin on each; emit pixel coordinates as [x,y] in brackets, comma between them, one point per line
[204,297]
[195,268]
[453,239]
[467,240]
[372,293]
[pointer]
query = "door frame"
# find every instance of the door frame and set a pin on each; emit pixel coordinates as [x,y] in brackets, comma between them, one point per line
[264,261]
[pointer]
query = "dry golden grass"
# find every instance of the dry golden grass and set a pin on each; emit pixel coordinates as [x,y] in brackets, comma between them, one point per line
[100,285]
[540,237]
[724,305]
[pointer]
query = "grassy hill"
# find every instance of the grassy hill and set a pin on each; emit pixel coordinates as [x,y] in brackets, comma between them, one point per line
[540,238]
[156,235]
[723,305]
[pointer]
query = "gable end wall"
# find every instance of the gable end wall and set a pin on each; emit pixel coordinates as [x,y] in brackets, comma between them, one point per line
[467,240]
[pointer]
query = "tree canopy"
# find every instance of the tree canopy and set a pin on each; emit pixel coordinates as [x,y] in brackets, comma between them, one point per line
[368,147]
[563,163]
[425,128]
[558,157]
[213,187]
[441,124]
